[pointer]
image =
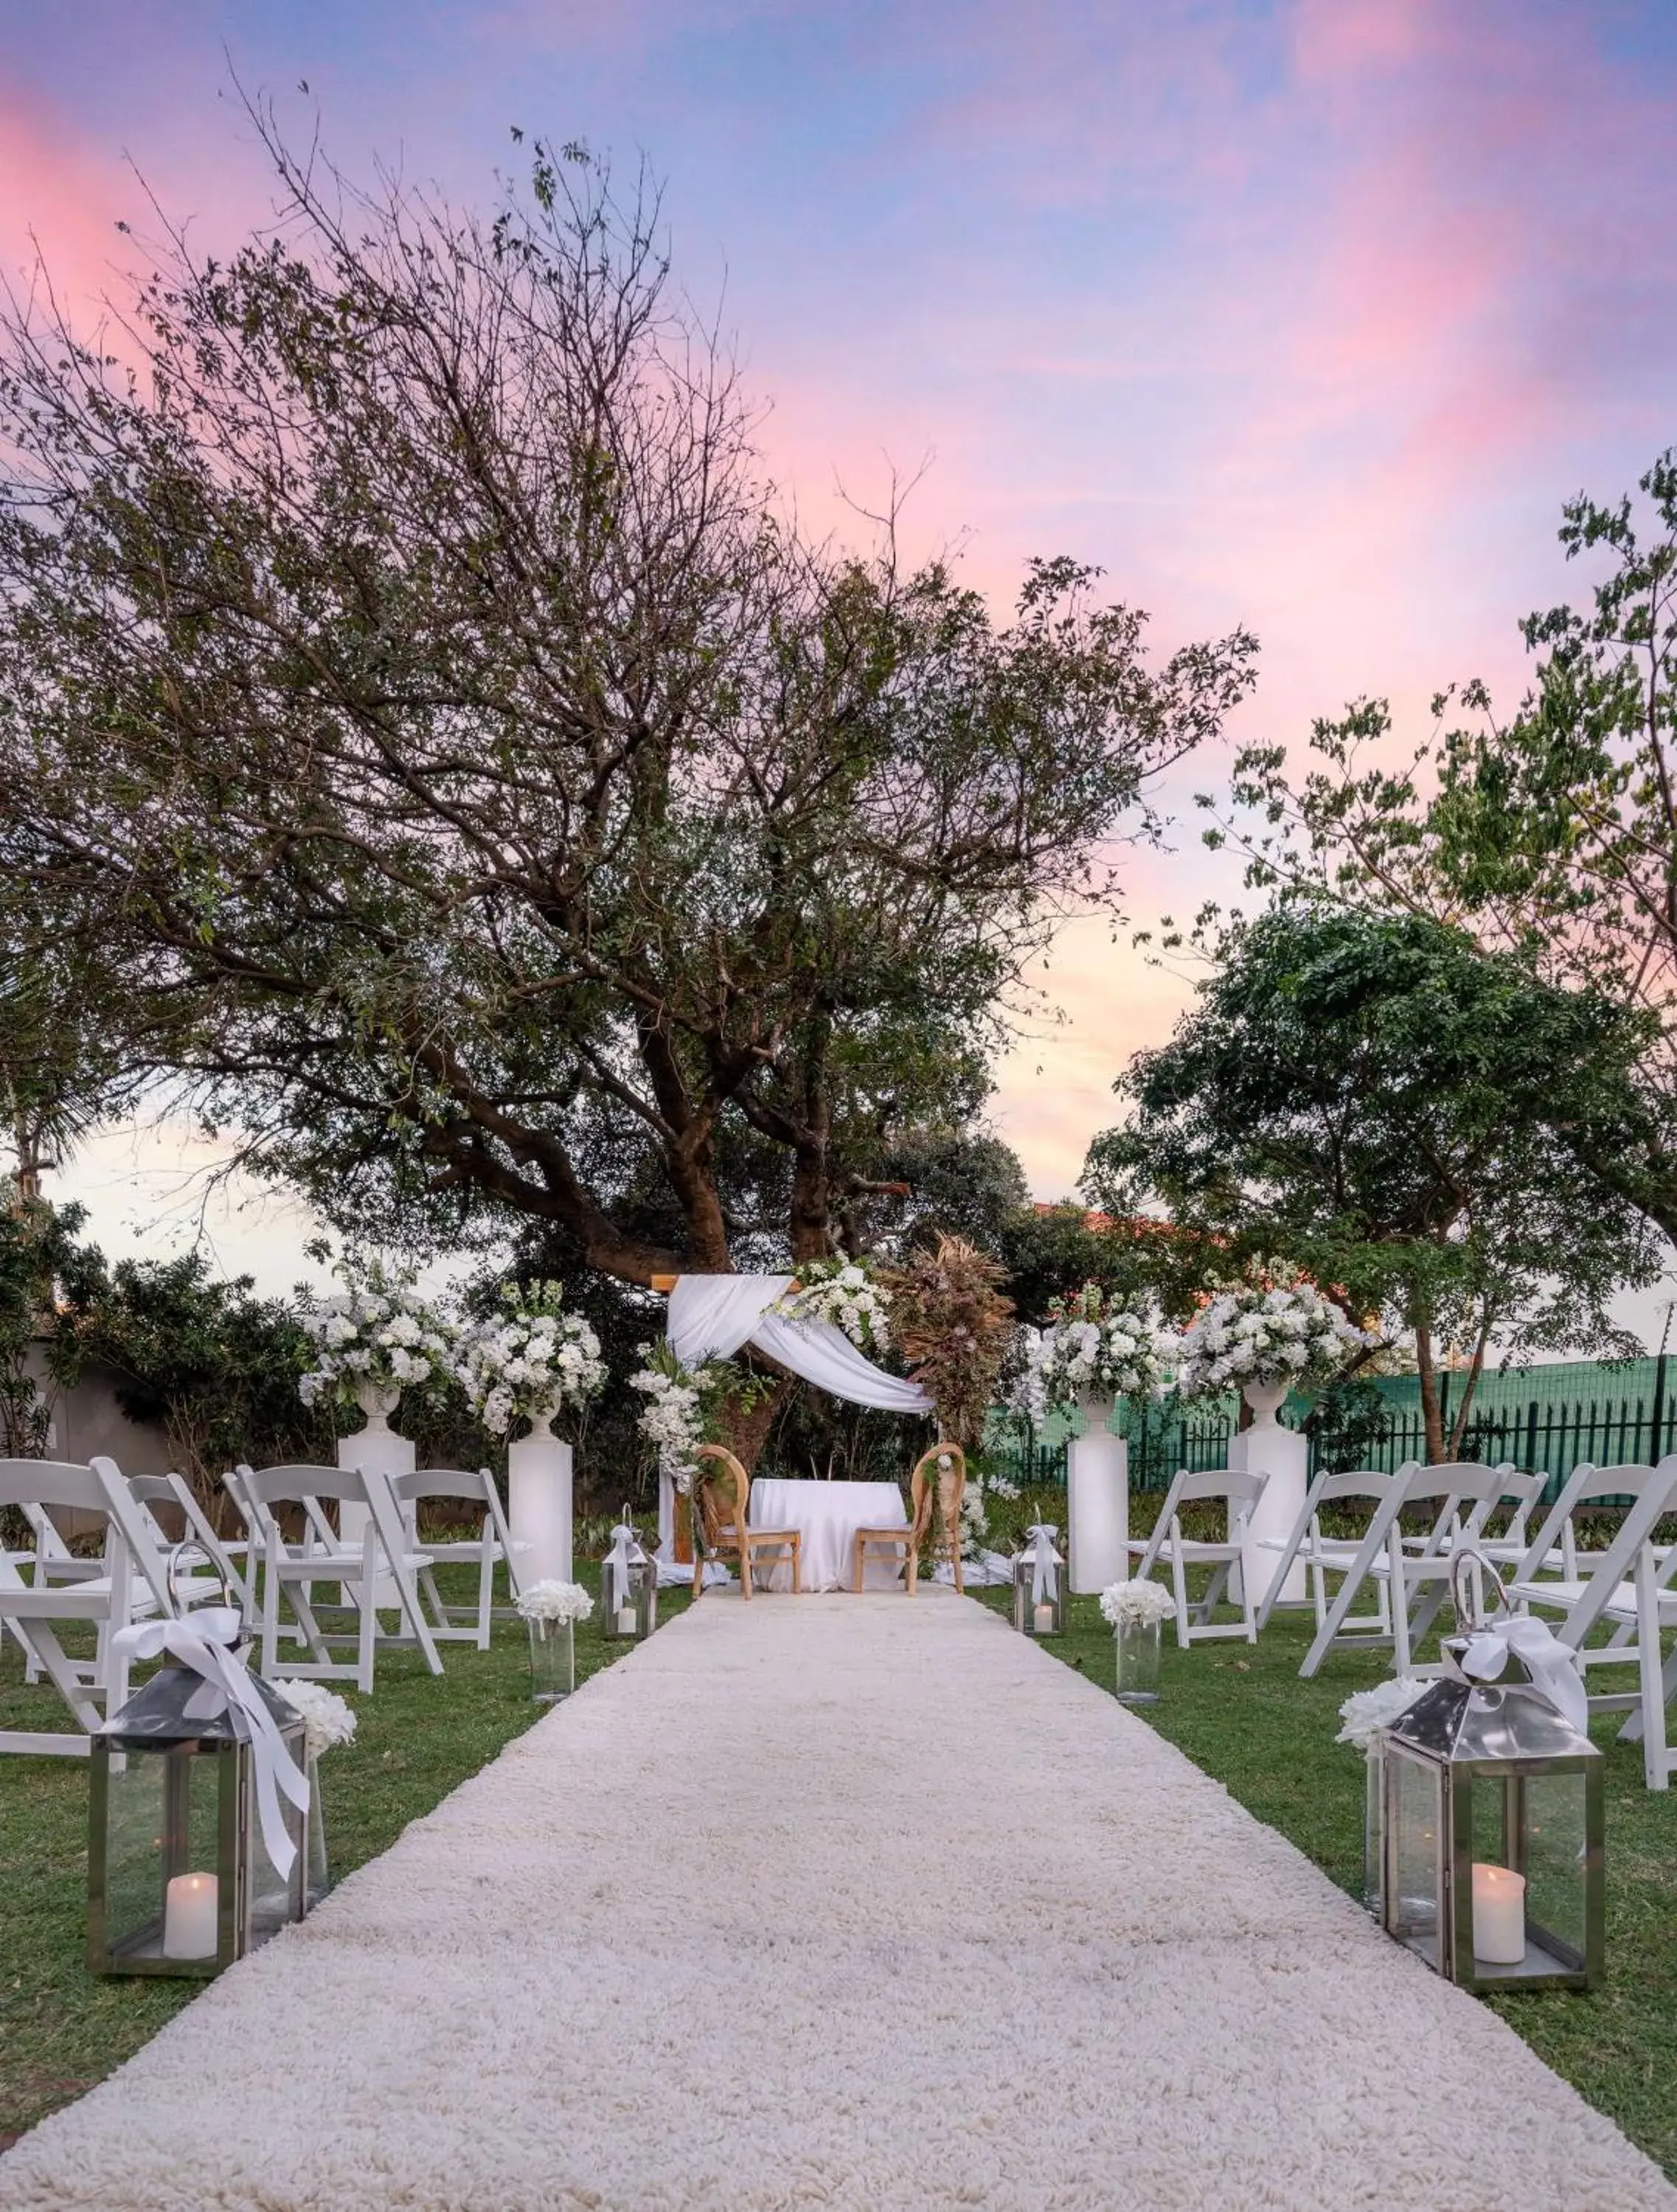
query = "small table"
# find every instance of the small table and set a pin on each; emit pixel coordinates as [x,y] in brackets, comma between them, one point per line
[827,1516]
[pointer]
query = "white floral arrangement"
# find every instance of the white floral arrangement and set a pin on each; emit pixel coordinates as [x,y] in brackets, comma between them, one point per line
[554,1600]
[1136,1605]
[375,1330]
[327,1720]
[1277,1327]
[1092,1349]
[1366,1712]
[672,1420]
[531,1360]
[845,1293]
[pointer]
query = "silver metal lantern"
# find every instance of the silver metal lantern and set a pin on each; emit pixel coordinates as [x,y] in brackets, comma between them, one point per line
[1492,1834]
[180,1878]
[628,1587]
[1039,1584]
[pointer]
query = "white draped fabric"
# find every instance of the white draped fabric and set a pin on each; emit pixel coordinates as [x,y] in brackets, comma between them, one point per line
[712,1316]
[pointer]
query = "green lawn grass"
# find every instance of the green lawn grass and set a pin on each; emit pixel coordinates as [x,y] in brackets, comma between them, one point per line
[61,2028]
[1242,1713]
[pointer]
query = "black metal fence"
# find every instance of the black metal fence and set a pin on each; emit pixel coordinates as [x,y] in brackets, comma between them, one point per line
[1160,1443]
[1538,1432]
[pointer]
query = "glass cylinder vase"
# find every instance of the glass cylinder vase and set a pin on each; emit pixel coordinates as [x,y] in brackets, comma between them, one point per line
[552,1660]
[1138,1644]
[319,1879]
[1373,1822]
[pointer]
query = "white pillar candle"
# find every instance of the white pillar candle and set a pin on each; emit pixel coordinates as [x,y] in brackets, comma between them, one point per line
[625,1621]
[190,1904]
[1044,1619]
[1499,1916]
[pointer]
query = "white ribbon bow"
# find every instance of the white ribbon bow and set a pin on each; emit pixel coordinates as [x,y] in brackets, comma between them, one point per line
[626,1552]
[199,1643]
[1553,1670]
[1044,1583]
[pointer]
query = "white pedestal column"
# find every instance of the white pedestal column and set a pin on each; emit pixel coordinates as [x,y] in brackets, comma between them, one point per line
[1097,1502]
[1285,1456]
[538,1505]
[375,1450]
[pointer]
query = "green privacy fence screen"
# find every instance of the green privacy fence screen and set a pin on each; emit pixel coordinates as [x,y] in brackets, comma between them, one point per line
[1546,1418]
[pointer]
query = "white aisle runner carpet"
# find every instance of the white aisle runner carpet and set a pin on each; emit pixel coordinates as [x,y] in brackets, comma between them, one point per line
[843,1902]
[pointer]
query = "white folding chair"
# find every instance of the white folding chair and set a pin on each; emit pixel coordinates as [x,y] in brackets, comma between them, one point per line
[1322,1555]
[492,1544]
[170,1496]
[291,1571]
[1416,1569]
[1623,1586]
[132,1581]
[1238,1493]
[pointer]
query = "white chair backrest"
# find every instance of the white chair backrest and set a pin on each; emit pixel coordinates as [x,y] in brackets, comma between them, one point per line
[291,1486]
[1239,1490]
[1453,1484]
[1587,1485]
[1371,1485]
[97,1488]
[446,1482]
[175,1493]
[1653,1494]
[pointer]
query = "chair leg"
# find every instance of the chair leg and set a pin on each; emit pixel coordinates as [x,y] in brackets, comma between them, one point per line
[746,1568]
[1655,1769]
[797,1565]
[913,1568]
[486,1588]
[1179,1590]
[369,1625]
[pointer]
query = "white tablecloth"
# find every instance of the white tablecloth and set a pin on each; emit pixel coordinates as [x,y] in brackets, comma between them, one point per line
[827,1516]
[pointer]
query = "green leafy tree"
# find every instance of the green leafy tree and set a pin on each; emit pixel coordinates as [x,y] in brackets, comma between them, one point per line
[39,1258]
[1553,835]
[414,694]
[1396,1110]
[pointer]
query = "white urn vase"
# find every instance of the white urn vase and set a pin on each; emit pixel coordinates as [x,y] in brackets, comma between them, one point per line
[374,1449]
[539,1503]
[1098,1501]
[1268,1448]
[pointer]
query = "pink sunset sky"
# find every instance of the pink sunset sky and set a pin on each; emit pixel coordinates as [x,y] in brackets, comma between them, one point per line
[1302,313]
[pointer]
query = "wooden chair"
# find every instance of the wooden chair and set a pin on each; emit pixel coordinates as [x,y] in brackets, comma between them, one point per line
[923,1493]
[721,1501]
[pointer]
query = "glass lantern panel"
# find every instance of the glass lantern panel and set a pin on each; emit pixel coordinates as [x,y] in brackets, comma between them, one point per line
[275,1899]
[1555,1841]
[162,1835]
[1413,1902]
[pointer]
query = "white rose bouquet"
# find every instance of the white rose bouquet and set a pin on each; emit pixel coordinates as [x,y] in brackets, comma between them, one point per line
[327,1720]
[375,1330]
[1273,1326]
[1092,1347]
[846,1293]
[1365,1712]
[532,1359]
[554,1600]
[1136,1605]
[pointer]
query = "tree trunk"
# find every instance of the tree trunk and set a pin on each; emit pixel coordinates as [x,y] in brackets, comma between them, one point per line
[1428,1380]
[1476,1368]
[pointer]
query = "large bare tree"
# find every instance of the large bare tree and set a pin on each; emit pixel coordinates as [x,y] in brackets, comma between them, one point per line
[468,779]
